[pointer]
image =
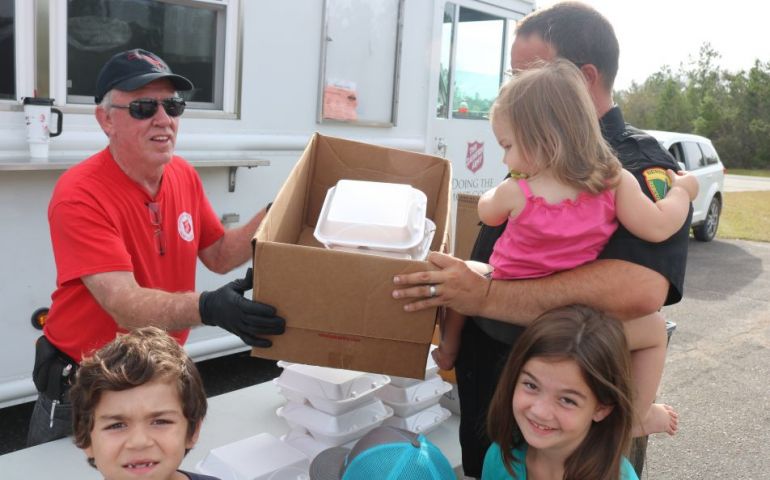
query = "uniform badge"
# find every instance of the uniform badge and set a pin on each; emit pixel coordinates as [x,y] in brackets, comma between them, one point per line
[657,182]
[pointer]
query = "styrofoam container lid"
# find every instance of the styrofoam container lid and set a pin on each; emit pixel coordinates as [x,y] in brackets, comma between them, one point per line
[261,457]
[431,369]
[386,216]
[328,383]
[415,392]
[409,400]
[333,407]
[335,429]
[423,421]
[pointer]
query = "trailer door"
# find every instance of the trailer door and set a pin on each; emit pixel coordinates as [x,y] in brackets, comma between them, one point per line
[471,59]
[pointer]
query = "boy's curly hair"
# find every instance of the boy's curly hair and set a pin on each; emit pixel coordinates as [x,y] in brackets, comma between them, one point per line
[141,356]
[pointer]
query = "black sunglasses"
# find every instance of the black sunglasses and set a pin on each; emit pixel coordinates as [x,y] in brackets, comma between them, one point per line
[144,108]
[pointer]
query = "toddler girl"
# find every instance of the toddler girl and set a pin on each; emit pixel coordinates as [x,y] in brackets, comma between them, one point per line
[563,200]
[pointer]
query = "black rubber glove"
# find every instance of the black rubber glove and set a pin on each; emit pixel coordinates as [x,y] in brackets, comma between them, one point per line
[226,307]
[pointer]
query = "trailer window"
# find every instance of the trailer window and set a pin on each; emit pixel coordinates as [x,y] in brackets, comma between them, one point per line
[474,57]
[360,61]
[7,50]
[191,36]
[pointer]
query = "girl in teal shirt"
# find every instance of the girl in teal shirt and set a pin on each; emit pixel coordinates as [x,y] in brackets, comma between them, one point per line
[562,409]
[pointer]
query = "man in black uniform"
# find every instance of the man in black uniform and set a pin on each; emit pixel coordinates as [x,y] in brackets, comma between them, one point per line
[631,278]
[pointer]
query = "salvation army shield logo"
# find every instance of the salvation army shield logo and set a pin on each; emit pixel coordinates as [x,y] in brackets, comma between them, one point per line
[185,226]
[474,159]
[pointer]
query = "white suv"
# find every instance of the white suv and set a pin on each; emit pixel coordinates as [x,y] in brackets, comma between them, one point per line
[697,155]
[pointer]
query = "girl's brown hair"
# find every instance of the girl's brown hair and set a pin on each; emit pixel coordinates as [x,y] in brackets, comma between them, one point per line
[598,345]
[555,125]
[141,356]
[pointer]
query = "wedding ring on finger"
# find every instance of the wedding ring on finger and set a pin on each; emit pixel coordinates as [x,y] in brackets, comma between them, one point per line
[432,291]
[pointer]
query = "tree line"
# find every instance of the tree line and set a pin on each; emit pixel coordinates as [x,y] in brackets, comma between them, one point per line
[732,109]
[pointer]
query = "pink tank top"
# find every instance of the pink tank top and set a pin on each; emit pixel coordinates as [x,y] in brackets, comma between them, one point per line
[546,238]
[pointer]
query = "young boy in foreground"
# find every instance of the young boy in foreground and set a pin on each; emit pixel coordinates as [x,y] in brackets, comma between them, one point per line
[138,404]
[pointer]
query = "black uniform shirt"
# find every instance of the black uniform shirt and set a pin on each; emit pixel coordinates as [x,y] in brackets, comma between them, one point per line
[641,155]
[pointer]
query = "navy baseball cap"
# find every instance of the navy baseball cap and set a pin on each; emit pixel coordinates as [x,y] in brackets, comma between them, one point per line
[385,452]
[134,69]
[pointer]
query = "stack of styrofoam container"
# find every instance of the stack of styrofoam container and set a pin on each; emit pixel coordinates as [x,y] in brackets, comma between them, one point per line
[377,218]
[329,407]
[415,403]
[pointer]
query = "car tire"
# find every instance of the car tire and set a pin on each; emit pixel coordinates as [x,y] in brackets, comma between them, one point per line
[706,231]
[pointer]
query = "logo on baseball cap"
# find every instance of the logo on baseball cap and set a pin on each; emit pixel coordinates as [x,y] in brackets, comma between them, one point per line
[134,69]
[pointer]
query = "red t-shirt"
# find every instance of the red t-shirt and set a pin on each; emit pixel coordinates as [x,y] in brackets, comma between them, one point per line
[102,221]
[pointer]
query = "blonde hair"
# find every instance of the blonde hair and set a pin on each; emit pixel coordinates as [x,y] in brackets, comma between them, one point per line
[554,124]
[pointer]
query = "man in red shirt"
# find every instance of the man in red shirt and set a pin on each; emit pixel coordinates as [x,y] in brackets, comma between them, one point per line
[127,227]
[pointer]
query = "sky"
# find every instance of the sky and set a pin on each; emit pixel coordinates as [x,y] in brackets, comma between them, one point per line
[653,33]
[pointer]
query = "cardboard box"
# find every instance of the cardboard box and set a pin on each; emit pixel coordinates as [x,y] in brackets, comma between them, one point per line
[468,225]
[338,306]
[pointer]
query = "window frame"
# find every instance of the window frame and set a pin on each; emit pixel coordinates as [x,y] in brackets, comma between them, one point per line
[709,153]
[677,151]
[506,39]
[323,71]
[450,61]
[226,62]
[24,53]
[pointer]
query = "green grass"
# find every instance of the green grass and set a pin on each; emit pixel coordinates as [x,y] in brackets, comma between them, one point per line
[745,216]
[744,171]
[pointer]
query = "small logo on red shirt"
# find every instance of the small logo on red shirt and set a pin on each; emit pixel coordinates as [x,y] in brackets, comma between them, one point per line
[185,226]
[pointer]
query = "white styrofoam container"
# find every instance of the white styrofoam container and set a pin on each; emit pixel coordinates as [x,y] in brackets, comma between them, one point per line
[333,407]
[377,215]
[409,400]
[261,457]
[431,369]
[423,421]
[451,400]
[420,252]
[328,383]
[300,439]
[289,394]
[335,430]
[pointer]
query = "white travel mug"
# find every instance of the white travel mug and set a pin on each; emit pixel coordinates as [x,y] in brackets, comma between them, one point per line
[37,113]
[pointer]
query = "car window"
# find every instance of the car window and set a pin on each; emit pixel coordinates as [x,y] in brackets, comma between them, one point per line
[709,154]
[694,156]
[676,151]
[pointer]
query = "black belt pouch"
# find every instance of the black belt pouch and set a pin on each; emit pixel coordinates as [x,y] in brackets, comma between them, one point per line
[51,374]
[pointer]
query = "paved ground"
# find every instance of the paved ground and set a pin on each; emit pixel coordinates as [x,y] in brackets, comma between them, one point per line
[744,183]
[718,368]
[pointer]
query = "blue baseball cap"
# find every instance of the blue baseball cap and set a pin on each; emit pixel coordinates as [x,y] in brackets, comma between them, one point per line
[385,452]
[133,69]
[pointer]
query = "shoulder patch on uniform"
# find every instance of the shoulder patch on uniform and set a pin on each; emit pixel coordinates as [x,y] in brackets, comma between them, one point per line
[657,182]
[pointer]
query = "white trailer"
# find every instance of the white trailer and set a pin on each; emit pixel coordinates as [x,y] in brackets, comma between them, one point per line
[410,74]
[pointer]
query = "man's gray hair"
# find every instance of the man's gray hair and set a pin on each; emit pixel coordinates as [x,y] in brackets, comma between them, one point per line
[106,100]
